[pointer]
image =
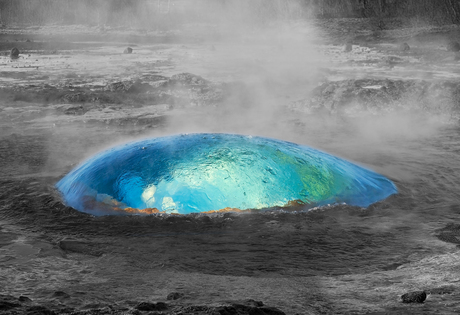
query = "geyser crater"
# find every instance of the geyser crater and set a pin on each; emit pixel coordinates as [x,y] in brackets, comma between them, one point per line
[216,172]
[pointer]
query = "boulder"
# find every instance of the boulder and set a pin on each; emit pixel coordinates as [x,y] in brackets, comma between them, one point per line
[128,50]
[348,47]
[14,53]
[453,46]
[174,296]
[39,310]
[404,47]
[414,297]
[147,306]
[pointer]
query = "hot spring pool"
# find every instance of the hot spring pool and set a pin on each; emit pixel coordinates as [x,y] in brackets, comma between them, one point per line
[210,172]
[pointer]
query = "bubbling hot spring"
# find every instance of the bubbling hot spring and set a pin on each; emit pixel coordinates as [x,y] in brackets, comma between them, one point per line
[216,172]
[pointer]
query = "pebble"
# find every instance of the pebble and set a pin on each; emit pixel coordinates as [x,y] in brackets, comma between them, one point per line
[453,46]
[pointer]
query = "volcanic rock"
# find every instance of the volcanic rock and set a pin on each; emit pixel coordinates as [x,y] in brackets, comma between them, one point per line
[14,54]
[74,97]
[348,47]
[174,296]
[129,86]
[244,309]
[446,289]
[414,297]
[253,303]
[24,299]
[61,294]
[146,306]
[404,47]
[39,310]
[5,305]
[188,79]
[205,219]
[161,306]
[270,311]
[80,247]
[128,50]
[453,46]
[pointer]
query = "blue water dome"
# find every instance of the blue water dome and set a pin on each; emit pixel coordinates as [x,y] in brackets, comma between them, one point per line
[216,172]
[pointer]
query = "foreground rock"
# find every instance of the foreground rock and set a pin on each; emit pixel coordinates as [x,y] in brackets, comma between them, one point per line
[23,305]
[146,306]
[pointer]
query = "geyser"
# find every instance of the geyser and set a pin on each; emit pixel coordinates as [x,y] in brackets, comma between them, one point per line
[210,172]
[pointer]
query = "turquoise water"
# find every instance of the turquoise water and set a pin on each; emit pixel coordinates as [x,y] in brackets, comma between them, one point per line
[203,172]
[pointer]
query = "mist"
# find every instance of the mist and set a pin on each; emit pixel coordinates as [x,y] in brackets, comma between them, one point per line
[270,54]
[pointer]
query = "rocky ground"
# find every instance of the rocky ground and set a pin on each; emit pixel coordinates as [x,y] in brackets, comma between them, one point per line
[75,90]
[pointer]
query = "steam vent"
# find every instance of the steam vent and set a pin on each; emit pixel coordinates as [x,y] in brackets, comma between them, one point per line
[216,172]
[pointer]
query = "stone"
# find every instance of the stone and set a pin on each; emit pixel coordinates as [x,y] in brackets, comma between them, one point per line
[39,310]
[404,47]
[161,306]
[24,299]
[128,50]
[414,297]
[187,79]
[147,306]
[348,47]
[271,311]
[61,294]
[130,86]
[445,289]
[245,309]
[253,303]
[174,296]
[5,305]
[14,54]
[453,46]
